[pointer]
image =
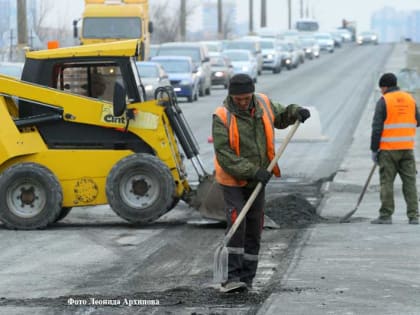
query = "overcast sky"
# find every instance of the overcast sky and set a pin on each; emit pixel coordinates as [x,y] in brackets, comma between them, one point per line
[328,12]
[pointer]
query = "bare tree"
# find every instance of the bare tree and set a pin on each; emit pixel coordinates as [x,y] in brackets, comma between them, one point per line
[167,20]
[228,22]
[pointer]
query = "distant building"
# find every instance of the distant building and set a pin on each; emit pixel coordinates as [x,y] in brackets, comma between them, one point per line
[413,32]
[210,19]
[393,26]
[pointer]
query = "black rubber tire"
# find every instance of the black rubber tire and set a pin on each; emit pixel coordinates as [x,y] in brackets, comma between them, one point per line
[63,213]
[39,207]
[154,184]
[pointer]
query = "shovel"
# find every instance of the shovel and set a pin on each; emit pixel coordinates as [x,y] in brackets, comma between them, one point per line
[345,219]
[220,266]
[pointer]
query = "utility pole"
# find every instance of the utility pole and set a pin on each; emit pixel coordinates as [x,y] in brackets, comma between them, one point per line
[289,4]
[301,9]
[251,16]
[220,31]
[263,13]
[183,20]
[11,45]
[21,23]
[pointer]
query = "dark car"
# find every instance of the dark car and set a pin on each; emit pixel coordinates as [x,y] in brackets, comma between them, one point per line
[182,74]
[221,70]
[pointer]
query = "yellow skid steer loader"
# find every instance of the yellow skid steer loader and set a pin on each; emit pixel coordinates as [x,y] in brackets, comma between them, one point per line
[76,131]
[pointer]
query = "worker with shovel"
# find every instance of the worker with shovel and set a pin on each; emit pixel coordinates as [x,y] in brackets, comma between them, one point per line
[392,143]
[243,137]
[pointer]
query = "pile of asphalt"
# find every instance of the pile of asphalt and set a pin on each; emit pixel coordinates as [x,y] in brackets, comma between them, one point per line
[292,211]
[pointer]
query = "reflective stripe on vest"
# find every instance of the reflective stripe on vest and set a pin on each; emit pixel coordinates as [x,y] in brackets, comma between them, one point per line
[230,122]
[400,124]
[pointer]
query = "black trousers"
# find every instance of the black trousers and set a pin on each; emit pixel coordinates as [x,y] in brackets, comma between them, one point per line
[244,245]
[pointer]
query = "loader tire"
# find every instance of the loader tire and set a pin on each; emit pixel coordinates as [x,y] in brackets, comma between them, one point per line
[63,213]
[140,188]
[30,197]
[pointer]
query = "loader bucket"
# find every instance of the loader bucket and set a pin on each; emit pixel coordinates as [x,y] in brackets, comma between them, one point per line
[208,199]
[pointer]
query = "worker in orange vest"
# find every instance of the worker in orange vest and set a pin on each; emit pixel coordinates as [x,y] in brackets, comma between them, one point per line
[394,126]
[243,138]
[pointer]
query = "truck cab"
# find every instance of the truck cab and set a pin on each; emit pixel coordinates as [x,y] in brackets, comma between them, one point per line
[114,20]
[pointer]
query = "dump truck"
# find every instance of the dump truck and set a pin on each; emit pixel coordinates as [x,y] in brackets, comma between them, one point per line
[114,20]
[76,131]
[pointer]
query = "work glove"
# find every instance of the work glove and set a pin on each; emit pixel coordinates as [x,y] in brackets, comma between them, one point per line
[263,176]
[303,114]
[375,156]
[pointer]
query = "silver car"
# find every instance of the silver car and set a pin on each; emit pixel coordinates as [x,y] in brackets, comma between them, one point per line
[152,76]
[252,45]
[272,56]
[243,61]
[325,41]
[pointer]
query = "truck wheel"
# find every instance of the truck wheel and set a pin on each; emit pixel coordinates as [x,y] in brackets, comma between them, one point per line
[63,213]
[140,188]
[30,197]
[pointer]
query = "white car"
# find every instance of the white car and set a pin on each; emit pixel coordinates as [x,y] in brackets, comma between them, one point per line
[325,41]
[243,62]
[272,56]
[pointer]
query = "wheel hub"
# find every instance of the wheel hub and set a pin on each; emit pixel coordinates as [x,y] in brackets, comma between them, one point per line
[26,199]
[27,196]
[139,187]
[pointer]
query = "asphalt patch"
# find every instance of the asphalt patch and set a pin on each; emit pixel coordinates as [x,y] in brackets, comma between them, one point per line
[292,211]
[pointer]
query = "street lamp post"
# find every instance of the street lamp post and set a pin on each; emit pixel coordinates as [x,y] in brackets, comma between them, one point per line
[251,16]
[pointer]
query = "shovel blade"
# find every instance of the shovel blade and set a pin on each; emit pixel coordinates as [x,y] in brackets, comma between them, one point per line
[209,199]
[220,265]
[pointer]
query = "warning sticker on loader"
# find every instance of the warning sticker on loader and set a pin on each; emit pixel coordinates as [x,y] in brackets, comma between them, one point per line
[145,120]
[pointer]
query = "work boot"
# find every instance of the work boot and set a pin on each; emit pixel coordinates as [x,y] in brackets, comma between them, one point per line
[414,220]
[382,220]
[233,286]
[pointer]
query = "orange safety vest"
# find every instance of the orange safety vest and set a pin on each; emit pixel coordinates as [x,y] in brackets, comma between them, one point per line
[230,122]
[400,124]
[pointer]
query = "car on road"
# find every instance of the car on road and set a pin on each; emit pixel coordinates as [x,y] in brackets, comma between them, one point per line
[152,76]
[325,41]
[199,55]
[252,45]
[243,61]
[345,34]
[272,56]
[221,70]
[367,37]
[290,57]
[310,47]
[182,75]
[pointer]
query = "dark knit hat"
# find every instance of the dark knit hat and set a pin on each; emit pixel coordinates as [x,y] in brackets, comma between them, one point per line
[241,84]
[388,80]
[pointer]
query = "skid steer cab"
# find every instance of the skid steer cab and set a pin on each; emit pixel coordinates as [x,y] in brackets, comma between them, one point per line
[76,132]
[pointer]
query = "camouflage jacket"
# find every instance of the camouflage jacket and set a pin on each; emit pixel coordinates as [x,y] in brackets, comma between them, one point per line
[253,149]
